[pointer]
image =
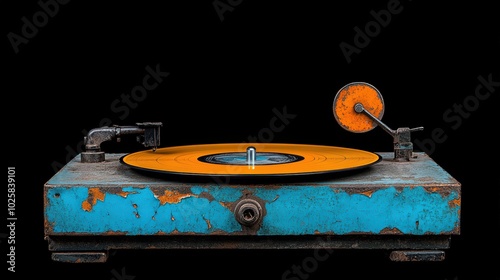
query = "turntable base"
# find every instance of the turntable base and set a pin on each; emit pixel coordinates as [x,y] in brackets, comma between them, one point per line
[410,208]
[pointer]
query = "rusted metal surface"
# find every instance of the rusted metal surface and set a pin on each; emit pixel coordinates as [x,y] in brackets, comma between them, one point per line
[360,241]
[80,257]
[417,256]
[102,206]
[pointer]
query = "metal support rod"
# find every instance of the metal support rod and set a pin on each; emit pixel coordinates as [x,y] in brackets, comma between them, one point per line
[360,109]
[97,136]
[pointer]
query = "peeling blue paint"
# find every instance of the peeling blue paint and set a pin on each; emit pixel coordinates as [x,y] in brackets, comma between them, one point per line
[291,210]
[304,210]
[117,213]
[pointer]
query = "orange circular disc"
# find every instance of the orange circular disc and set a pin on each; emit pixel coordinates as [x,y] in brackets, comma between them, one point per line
[232,159]
[350,95]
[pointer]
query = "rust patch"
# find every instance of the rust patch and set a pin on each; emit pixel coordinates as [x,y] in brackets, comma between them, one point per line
[118,233]
[454,203]
[247,192]
[123,194]
[443,190]
[226,204]
[206,195]
[220,232]
[95,194]
[432,189]
[391,231]
[317,232]
[368,193]
[48,227]
[172,197]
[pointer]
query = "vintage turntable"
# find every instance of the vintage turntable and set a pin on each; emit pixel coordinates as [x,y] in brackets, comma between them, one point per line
[254,195]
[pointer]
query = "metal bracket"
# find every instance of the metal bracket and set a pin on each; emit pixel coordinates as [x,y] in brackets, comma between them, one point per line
[148,134]
[403,147]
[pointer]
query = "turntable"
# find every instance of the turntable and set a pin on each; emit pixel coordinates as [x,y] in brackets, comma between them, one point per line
[254,195]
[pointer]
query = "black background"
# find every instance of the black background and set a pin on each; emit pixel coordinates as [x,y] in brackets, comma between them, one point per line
[225,78]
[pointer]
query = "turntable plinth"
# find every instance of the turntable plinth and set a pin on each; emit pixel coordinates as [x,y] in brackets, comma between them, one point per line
[90,209]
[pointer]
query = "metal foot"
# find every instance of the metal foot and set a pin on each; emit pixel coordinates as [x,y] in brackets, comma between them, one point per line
[80,257]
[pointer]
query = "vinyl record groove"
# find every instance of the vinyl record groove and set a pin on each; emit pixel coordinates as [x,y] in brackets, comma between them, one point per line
[231,159]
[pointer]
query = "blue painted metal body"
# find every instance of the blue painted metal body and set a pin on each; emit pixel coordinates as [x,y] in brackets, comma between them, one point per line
[389,198]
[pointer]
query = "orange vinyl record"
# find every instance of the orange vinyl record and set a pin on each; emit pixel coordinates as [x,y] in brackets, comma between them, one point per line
[250,159]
